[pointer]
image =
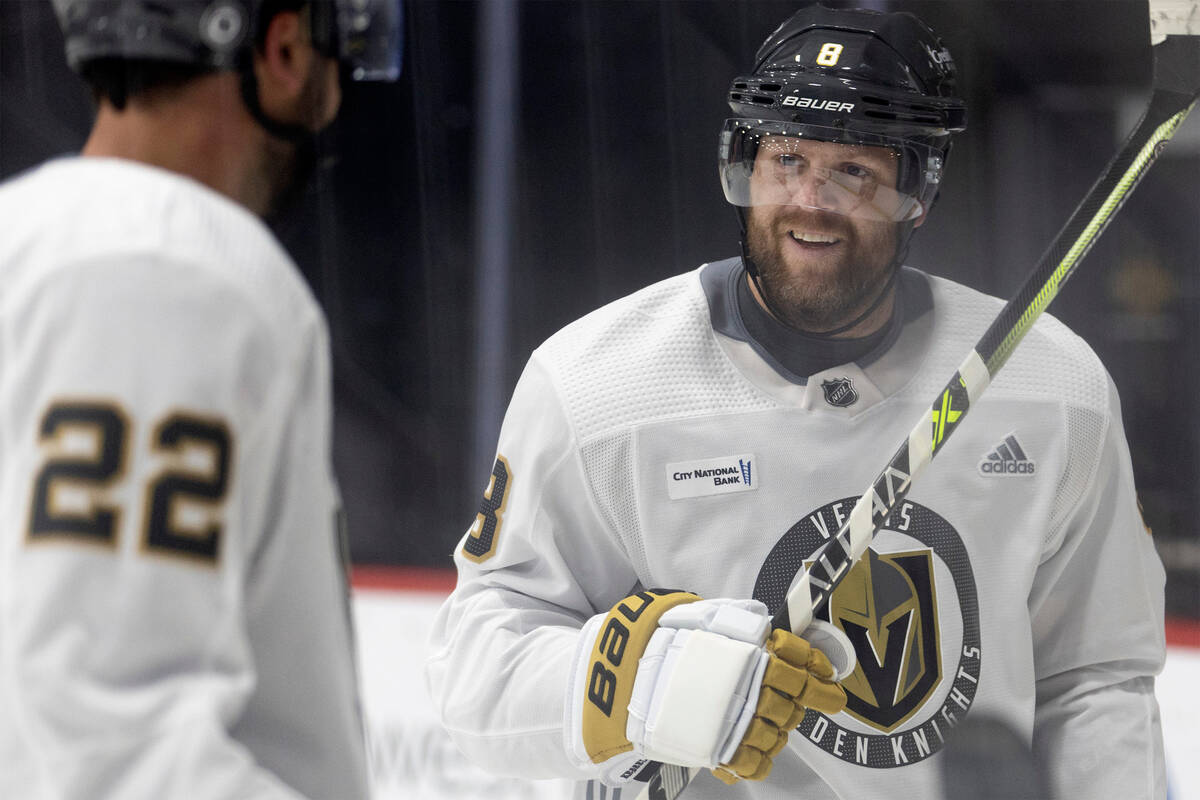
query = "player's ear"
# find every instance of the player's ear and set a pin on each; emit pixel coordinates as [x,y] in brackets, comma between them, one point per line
[284,60]
[919,221]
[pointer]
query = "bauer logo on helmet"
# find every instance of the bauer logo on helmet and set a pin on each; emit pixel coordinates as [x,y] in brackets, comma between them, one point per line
[817,105]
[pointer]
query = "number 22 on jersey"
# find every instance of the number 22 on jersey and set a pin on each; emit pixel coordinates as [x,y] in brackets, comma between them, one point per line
[86,448]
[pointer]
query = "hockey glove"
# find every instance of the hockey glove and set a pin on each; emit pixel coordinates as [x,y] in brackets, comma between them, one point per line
[666,676]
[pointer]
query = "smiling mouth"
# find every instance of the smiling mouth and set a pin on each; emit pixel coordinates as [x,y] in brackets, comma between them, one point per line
[810,239]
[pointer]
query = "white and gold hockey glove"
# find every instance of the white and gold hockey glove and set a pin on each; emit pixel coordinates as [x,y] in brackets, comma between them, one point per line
[667,676]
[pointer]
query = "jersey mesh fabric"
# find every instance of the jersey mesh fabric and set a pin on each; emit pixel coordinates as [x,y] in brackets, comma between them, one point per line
[1052,362]
[1085,428]
[603,461]
[1052,365]
[684,375]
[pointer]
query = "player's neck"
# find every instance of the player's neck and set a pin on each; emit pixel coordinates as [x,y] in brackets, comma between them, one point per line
[874,322]
[201,131]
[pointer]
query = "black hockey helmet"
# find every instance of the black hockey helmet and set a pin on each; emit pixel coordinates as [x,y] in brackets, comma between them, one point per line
[855,77]
[365,35]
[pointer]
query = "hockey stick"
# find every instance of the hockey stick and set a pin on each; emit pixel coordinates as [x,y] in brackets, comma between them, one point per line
[1175,36]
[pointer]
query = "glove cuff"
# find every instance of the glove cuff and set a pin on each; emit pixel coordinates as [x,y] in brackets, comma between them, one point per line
[606,664]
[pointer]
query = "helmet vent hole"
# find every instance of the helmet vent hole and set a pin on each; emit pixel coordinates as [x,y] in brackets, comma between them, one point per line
[757,99]
[879,101]
[892,116]
[770,87]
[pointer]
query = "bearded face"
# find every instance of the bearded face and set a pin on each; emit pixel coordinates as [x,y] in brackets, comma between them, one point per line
[285,167]
[823,258]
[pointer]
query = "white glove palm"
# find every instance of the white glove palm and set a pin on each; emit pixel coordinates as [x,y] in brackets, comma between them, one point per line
[669,677]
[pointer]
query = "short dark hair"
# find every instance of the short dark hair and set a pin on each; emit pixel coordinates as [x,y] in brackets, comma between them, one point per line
[119,79]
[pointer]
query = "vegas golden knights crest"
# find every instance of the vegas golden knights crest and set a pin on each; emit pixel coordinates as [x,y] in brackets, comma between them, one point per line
[887,605]
[910,608]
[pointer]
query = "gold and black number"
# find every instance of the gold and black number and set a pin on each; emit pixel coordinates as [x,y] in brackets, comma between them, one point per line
[485,531]
[75,493]
[86,443]
[182,502]
[829,54]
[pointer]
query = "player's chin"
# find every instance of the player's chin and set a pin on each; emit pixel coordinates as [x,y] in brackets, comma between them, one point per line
[808,287]
[822,263]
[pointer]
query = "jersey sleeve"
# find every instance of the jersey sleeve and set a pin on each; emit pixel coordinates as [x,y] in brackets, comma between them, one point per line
[1097,609]
[144,403]
[537,562]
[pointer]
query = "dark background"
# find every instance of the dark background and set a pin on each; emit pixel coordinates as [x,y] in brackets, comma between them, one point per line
[540,158]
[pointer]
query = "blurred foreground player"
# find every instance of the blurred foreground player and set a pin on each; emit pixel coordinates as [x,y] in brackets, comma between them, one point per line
[173,604]
[711,431]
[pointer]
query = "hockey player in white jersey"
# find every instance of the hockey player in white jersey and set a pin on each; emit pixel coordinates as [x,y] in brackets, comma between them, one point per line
[173,597]
[709,432]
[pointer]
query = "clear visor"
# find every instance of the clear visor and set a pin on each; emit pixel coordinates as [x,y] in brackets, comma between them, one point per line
[773,163]
[370,38]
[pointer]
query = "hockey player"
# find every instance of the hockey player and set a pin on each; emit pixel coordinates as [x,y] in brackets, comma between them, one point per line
[709,432]
[173,602]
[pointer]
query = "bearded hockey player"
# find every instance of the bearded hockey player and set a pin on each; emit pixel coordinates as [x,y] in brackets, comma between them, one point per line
[709,432]
[173,605]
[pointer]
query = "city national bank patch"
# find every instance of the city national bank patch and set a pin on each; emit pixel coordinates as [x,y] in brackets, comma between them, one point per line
[709,476]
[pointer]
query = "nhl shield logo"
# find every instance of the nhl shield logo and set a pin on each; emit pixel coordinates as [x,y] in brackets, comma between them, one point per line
[840,392]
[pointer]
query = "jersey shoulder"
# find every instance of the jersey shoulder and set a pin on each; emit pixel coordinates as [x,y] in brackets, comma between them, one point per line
[649,356]
[114,217]
[1051,362]
[132,285]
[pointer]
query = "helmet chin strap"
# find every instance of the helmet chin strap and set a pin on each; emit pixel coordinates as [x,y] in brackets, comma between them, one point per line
[288,131]
[906,229]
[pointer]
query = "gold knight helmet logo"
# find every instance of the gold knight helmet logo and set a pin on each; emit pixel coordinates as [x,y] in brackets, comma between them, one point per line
[887,605]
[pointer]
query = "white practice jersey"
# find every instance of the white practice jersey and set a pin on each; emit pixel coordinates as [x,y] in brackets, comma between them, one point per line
[653,444]
[173,601]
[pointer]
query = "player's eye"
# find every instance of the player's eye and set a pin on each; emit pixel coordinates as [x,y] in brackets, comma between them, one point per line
[790,161]
[857,171]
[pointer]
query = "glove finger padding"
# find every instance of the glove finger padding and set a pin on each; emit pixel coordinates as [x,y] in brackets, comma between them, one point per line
[798,677]
[752,761]
[818,691]
[774,706]
[763,736]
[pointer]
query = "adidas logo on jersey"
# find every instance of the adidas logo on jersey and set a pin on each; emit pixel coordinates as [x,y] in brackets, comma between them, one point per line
[1007,458]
